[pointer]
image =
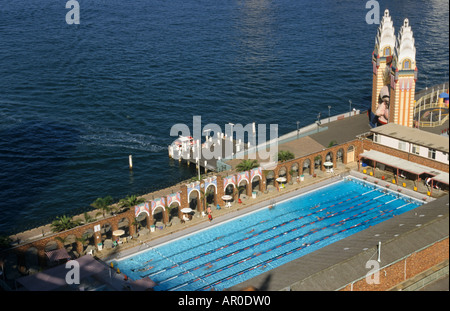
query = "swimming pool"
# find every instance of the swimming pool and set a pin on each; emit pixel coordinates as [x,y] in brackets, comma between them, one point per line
[232,252]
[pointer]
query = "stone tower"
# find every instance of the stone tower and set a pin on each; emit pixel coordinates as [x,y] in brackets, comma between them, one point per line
[381,60]
[403,78]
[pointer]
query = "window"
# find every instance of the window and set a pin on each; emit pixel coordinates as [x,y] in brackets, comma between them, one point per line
[432,154]
[406,64]
[415,149]
[401,145]
[387,51]
[376,137]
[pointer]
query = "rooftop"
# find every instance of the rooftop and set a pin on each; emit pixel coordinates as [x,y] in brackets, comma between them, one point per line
[413,135]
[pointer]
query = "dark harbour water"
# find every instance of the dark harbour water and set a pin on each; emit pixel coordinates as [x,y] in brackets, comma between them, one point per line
[76,100]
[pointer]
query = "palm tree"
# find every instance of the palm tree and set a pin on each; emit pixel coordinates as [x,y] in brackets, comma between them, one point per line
[137,224]
[130,201]
[246,165]
[238,190]
[103,204]
[284,155]
[63,223]
[88,218]
[83,240]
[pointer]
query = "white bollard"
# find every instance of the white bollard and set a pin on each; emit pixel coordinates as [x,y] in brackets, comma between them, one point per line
[379,252]
[130,161]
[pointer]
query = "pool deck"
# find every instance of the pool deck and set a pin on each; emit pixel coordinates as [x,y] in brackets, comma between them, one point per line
[221,219]
[334,266]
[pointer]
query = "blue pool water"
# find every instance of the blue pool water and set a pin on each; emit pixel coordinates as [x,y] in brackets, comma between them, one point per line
[232,252]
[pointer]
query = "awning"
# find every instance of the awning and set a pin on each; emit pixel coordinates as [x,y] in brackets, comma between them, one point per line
[57,254]
[403,165]
[442,178]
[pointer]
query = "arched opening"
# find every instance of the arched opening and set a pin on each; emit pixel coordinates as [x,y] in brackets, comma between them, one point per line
[229,190]
[282,172]
[210,195]
[124,225]
[256,183]
[87,239]
[317,162]
[270,180]
[158,215]
[294,171]
[141,221]
[194,200]
[340,156]
[50,246]
[173,210]
[406,64]
[106,232]
[350,154]
[306,168]
[70,244]
[242,188]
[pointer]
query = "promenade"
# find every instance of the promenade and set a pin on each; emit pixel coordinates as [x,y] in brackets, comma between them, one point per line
[339,131]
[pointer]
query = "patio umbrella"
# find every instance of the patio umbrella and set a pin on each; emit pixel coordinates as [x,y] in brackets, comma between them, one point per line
[281,179]
[118,232]
[186,210]
[227,198]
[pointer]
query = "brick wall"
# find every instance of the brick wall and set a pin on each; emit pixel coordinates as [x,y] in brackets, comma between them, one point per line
[370,145]
[406,268]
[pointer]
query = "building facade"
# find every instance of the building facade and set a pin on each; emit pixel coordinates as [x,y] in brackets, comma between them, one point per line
[394,75]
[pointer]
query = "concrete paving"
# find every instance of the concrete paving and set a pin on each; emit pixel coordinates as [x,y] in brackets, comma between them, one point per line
[336,265]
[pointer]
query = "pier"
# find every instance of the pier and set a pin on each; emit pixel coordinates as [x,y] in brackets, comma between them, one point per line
[188,150]
[218,153]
